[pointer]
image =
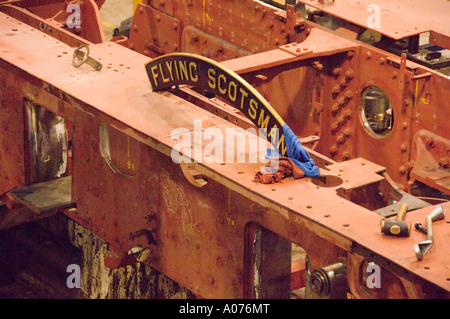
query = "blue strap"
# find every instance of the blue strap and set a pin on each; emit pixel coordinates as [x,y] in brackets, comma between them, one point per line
[296,153]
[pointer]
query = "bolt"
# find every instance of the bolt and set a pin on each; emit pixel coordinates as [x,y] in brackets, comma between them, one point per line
[429,143]
[158,18]
[348,95]
[421,228]
[337,71]
[135,27]
[382,61]
[403,148]
[343,84]
[348,114]
[335,108]
[405,125]
[141,10]
[345,156]
[342,101]
[348,132]
[317,65]
[369,55]
[444,162]
[340,139]
[334,127]
[333,150]
[406,102]
[394,75]
[402,170]
[349,75]
[336,90]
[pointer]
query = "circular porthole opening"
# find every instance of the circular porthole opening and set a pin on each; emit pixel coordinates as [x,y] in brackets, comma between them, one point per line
[376,112]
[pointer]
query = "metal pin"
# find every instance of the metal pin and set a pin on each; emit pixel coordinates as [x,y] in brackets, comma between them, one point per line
[80,57]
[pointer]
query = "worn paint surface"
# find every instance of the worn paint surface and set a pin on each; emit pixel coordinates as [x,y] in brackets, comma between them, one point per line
[204,236]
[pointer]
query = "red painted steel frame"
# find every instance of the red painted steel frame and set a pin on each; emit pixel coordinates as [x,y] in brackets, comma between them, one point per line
[203,235]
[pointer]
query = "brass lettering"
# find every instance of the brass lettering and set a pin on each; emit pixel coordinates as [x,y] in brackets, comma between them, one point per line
[263,122]
[244,95]
[212,78]
[165,80]
[221,89]
[169,66]
[253,107]
[155,75]
[184,70]
[232,87]
[192,67]
[175,64]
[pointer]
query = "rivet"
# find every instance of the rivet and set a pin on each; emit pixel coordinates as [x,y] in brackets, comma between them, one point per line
[349,75]
[405,125]
[403,148]
[333,149]
[334,127]
[336,90]
[348,132]
[345,156]
[337,71]
[348,114]
[335,108]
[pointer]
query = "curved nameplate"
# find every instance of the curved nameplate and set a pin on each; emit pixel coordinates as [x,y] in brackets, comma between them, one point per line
[208,75]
